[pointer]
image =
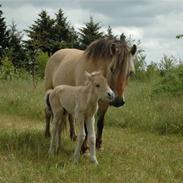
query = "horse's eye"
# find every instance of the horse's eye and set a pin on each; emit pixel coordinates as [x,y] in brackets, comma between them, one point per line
[97,85]
[130,73]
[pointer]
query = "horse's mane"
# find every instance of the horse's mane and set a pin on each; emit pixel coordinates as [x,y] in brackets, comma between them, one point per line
[101,48]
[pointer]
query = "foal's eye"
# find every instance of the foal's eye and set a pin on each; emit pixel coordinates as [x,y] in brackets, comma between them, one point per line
[97,85]
[112,70]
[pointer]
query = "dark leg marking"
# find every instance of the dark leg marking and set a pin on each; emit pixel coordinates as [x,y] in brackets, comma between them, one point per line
[84,146]
[72,128]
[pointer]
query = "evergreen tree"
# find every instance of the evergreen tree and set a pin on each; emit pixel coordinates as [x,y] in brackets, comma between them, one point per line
[73,40]
[41,34]
[64,34]
[15,51]
[4,34]
[109,32]
[90,32]
[179,36]
[61,26]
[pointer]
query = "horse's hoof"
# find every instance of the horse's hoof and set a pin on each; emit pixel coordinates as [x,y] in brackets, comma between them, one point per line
[47,134]
[98,145]
[84,149]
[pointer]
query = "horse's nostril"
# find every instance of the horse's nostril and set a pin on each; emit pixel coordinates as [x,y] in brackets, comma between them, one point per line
[109,94]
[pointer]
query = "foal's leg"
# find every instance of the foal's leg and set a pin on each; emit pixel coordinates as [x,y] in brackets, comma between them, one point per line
[100,123]
[81,137]
[72,128]
[47,120]
[61,126]
[55,124]
[58,135]
[90,123]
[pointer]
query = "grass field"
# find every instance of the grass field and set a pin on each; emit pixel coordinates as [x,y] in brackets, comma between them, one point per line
[143,141]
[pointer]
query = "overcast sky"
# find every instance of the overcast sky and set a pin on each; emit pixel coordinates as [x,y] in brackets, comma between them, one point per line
[155,22]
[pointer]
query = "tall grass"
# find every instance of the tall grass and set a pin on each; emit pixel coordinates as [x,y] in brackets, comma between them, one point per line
[133,149]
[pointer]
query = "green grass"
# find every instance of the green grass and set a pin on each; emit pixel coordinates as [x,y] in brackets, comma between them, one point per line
[143,141]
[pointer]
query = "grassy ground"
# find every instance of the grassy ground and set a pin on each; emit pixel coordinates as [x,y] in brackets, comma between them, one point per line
[143,141]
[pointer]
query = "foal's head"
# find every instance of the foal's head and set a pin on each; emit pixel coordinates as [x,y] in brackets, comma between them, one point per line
[100,85]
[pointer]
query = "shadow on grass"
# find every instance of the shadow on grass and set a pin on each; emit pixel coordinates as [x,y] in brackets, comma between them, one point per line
[32,146]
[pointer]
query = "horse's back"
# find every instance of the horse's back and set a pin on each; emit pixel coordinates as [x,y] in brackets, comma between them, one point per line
[60,66]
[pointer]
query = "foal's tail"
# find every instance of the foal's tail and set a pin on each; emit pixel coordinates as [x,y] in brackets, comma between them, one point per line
[47,100]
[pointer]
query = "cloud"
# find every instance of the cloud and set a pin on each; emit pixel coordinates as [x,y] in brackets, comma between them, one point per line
[155,23]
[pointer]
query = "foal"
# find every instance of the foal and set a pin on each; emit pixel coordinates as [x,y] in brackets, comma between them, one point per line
[82,103]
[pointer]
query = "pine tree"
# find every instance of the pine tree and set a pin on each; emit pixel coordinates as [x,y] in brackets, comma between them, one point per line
[4,35]
[16,51]
[64,34]
[41,33]
[61,26]
[90,32]
[109,32]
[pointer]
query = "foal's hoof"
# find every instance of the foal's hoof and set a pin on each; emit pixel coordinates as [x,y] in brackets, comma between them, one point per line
[51,153]
[73,137]
[94,161]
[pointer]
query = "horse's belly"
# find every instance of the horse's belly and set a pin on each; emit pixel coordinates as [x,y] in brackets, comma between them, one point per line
[65,74]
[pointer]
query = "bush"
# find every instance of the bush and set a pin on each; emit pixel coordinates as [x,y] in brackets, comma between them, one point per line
[41,59]
[9,72]
[172,81]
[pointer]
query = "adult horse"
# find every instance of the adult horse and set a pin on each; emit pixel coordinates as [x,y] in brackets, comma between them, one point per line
[67,66]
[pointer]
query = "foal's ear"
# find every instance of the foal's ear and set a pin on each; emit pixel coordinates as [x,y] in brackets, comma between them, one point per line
[88,75]
[113,49]
[133,49]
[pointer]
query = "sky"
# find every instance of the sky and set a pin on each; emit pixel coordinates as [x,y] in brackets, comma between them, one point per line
[154,22]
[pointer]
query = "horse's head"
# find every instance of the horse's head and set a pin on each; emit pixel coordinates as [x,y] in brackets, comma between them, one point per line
[117,63]
[119,70]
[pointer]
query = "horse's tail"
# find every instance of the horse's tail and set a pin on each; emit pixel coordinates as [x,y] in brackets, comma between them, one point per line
[47,101]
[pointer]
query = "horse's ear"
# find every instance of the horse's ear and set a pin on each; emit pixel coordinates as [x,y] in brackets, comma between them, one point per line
[133,49]
[113,49]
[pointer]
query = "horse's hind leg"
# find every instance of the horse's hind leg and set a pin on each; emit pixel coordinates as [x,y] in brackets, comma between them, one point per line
[100,124]
[72,128]
[47,120]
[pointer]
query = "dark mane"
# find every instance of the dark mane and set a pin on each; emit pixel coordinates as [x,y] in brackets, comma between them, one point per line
[101,48]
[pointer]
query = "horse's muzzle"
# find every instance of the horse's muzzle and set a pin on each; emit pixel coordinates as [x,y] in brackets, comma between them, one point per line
[118,102]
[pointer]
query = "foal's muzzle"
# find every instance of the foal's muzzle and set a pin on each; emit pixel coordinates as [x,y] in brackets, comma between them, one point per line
[118,102]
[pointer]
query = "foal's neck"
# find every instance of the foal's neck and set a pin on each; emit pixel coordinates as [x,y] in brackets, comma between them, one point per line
[92,97]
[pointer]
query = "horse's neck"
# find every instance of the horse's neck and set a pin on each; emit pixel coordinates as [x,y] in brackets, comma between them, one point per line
[97,64]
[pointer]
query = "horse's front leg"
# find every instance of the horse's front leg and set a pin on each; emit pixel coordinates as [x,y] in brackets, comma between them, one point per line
[100,123]
[84,146]
[72,128]
[90,124]
[81,137]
